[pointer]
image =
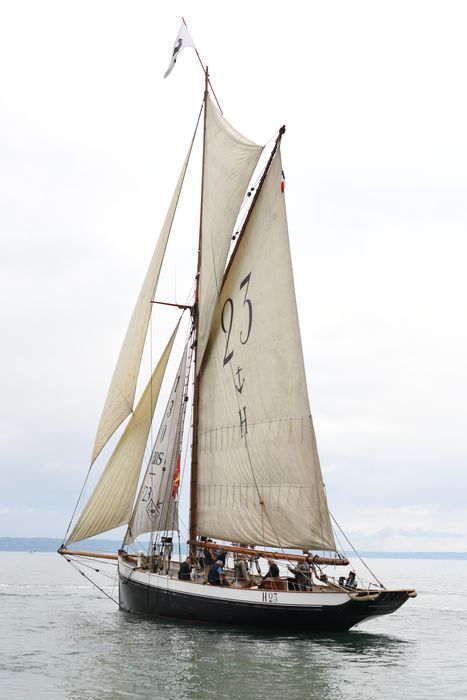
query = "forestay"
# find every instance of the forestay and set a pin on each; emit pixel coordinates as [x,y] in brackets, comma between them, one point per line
[156,505]
[229,162]
[259,476]
[111,502]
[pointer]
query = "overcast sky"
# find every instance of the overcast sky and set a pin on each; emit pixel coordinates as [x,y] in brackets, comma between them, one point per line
[375,157]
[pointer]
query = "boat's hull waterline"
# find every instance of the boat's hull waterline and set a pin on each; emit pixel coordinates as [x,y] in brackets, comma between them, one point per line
[158,595]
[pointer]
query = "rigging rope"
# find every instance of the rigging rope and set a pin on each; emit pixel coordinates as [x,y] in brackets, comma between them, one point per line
[355,551]
[73,564]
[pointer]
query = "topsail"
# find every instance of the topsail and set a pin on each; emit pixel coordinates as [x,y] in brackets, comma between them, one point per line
[229,162]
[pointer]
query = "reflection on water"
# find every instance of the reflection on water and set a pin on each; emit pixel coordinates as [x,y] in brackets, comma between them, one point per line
[379,647]
[174,660]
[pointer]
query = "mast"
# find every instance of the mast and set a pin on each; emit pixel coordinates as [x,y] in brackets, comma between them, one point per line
[194,446]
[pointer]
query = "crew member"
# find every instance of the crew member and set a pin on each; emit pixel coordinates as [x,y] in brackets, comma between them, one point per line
[216,576]
[273,571]
[185,570]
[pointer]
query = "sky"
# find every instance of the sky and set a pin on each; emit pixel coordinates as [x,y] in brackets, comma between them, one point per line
[375,158]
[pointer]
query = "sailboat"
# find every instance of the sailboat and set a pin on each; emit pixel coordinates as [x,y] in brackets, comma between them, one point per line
[256,487]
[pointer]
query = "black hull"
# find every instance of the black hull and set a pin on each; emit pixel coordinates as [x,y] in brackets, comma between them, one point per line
[143,599]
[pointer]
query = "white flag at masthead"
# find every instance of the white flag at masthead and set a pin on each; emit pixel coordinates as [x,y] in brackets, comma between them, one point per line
[181,42]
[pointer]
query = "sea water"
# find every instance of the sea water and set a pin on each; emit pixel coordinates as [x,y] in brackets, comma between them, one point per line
[62,638]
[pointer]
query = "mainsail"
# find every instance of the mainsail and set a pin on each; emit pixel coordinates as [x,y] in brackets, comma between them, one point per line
[111,501]
[156,507]
[259,477]
[229,162]
[121,394]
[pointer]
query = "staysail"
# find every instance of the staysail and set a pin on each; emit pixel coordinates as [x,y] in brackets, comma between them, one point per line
[259,476]
[111,501]
[229,162]
[121,394]
[156,507]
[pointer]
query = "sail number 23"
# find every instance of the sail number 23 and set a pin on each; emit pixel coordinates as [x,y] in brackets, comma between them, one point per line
[227,319]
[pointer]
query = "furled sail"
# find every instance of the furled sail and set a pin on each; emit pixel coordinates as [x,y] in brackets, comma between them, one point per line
[229,162]
[121,394]
[156,507]
[111,501]
[259,476]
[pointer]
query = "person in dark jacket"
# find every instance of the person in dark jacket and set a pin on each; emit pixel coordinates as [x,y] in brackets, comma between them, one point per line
[273,571]
[302,575]
[216,576]
[185,570]
[208,558]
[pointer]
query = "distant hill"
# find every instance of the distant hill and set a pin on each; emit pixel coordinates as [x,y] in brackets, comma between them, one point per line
[411,555]
[47,544]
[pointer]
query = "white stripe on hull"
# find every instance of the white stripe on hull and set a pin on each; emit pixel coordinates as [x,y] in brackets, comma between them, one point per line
[238,595]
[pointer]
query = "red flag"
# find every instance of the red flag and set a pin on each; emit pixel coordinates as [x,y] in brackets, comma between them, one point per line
[282,181]
[176,479]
